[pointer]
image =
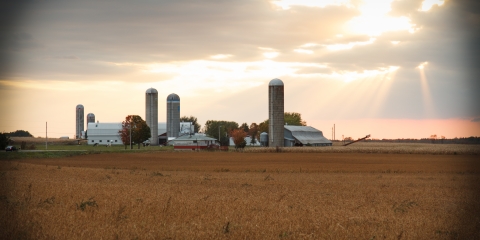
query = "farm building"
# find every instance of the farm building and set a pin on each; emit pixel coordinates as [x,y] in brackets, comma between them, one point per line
[248,140]
[304,135]
[104,133]
[107,133]
[193,142]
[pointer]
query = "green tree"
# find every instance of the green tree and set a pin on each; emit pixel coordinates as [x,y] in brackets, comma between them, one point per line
[20,133]
[263,126]
[139,130]
[290,118]
[252,140]
[294,119]
[244,127]
[213,128]
[4,140]
[253,131]
[193,120]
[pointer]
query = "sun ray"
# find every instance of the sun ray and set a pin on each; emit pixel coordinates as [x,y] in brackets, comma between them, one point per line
[427,99]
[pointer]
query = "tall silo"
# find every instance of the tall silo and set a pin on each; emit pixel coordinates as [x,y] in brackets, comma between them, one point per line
[151,114]
[90,118]
[173,115]
[79,121]
[275,113]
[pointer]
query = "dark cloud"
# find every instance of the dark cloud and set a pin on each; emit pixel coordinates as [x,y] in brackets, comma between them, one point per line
[476,119]
[160,31]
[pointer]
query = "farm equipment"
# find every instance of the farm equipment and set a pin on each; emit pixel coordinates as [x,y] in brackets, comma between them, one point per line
[358,140]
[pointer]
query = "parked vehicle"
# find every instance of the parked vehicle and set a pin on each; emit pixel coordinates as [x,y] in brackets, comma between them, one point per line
[10,148]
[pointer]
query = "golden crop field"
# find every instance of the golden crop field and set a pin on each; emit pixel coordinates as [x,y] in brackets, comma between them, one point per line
[235,195]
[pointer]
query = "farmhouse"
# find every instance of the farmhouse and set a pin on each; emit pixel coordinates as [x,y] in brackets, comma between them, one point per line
[304,135]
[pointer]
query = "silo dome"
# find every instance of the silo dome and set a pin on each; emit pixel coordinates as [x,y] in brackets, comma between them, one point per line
[173,97]
[275,82]
[80,106]
[151,90]
[90,118]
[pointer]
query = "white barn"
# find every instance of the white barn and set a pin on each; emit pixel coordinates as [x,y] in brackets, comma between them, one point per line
[104,133]
[107,133]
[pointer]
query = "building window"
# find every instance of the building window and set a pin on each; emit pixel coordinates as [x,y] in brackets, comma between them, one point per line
[93,141]
[115,140]
[108,140]
[100,141]
[194,141]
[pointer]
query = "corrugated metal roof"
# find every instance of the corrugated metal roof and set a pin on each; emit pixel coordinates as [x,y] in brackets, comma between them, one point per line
[307,134]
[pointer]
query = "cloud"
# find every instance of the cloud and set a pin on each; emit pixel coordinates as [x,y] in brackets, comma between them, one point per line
[477,119]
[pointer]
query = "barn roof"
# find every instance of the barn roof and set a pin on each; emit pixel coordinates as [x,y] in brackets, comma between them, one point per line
[307,134]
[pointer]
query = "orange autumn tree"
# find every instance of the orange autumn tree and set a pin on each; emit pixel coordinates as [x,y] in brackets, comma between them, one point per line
[238,136]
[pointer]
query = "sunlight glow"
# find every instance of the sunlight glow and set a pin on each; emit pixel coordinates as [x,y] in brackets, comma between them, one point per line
[350,45]
[286,4]
[427,99]
[269,52]
[374,19]
[221,56]
[422,65]
[428,4]
[349,76]
[305,51]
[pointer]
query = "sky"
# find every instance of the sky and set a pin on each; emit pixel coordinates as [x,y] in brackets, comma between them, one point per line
[389,68]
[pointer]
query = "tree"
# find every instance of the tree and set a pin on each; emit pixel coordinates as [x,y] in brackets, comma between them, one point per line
[294,119]
[290,118]
[193,120]
[252,140]
[238,136]
[433,138]
[253,130]
[245,128]
[20,133]
[4,140]
[139,130]
[215,128]
[263,126]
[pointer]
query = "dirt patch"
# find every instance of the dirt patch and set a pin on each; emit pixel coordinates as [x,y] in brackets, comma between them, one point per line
[272,162]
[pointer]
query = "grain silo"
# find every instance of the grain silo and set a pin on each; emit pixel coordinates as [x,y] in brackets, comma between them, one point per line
[151,114]
[79,121]
[173,115]
[275,113]
[264,139]
[90,118]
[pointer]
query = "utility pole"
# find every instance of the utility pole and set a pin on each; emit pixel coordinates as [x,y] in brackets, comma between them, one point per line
[219,134]
[46,136]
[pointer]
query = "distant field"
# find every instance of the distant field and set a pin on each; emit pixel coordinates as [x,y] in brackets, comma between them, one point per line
[360,147]
[212,195]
